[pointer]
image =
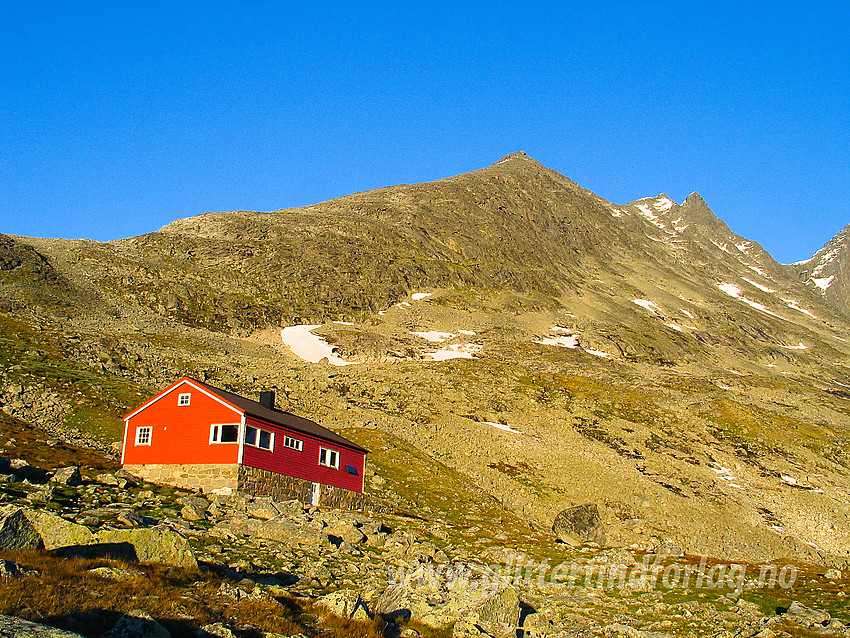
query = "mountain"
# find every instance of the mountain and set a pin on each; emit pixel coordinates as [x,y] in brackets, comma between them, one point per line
[827,271]
[547,345]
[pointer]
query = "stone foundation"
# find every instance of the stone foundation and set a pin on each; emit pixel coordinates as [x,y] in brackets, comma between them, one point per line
[256,482]
[206,477]
[279,487]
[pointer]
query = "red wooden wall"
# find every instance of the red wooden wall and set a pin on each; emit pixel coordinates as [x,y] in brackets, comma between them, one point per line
[305,464]
[181,434]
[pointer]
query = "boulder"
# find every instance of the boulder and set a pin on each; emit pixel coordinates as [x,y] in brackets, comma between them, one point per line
[215,630]
[580,523]
[345,603]
[198,502]
[346,531]
[500,613]
[287,531]
[11,627]
[16,530]
[806,616]
[130,518]
[158,544]
[68,476]
[107,479]
[56,532]
[192,513]
[116,573]
[263,508]
[137,624]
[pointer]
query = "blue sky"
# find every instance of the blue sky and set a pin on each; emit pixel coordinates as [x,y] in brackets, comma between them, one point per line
[117,118]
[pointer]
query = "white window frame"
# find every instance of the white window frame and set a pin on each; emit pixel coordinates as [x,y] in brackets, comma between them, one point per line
[293,444]
[184,399]
[215,433]
[142,430]
[333,461]
[256,442]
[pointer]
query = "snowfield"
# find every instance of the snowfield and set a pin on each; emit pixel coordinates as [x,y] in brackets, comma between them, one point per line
[309,347]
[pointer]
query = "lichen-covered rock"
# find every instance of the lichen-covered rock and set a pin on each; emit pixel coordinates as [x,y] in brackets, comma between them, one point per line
[345,603]
[137,624]
[11,627]
[16,530]
[500,613]
[67,476]
[158,544]
[581,523]
[57,532]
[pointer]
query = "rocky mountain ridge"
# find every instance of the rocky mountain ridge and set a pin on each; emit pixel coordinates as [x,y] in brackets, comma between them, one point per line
[826,271]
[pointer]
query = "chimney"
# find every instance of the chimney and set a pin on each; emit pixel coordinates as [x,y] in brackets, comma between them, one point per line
[267,399]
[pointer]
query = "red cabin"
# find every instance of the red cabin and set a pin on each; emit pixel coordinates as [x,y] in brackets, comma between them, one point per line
[196,436]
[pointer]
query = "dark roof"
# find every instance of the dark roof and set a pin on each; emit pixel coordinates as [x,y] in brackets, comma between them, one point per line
[279,417]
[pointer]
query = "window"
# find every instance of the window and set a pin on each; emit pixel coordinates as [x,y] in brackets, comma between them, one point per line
[184,399]
[143,436]
[351,469]
[329,458]
[256,437]
[294,444]
[224,433]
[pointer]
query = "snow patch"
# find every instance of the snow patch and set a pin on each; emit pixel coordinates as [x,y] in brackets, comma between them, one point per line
[825,260]
[735,292]
[758,285]
[404,304]
[799,346]
[648,305]
[567,341]
[501,426]
[455,351]
[722,247]
[466,332]
[435,336]
[344,323]
[687,313]
[599,353]
[419,296]
[791,303]
[675,327]
[646,213]
[663,204]
[744,247]
[823,282]
[758,270]
[790,480]
[309,347]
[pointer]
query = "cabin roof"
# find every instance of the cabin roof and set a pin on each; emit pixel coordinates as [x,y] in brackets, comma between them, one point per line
[279,417]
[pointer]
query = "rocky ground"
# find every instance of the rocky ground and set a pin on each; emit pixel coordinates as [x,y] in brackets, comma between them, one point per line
[100,553]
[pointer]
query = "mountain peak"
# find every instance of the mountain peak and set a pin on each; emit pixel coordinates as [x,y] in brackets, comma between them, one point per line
[695,198]
[519,155]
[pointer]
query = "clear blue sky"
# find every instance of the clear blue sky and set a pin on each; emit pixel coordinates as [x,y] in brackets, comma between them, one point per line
[118,117]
